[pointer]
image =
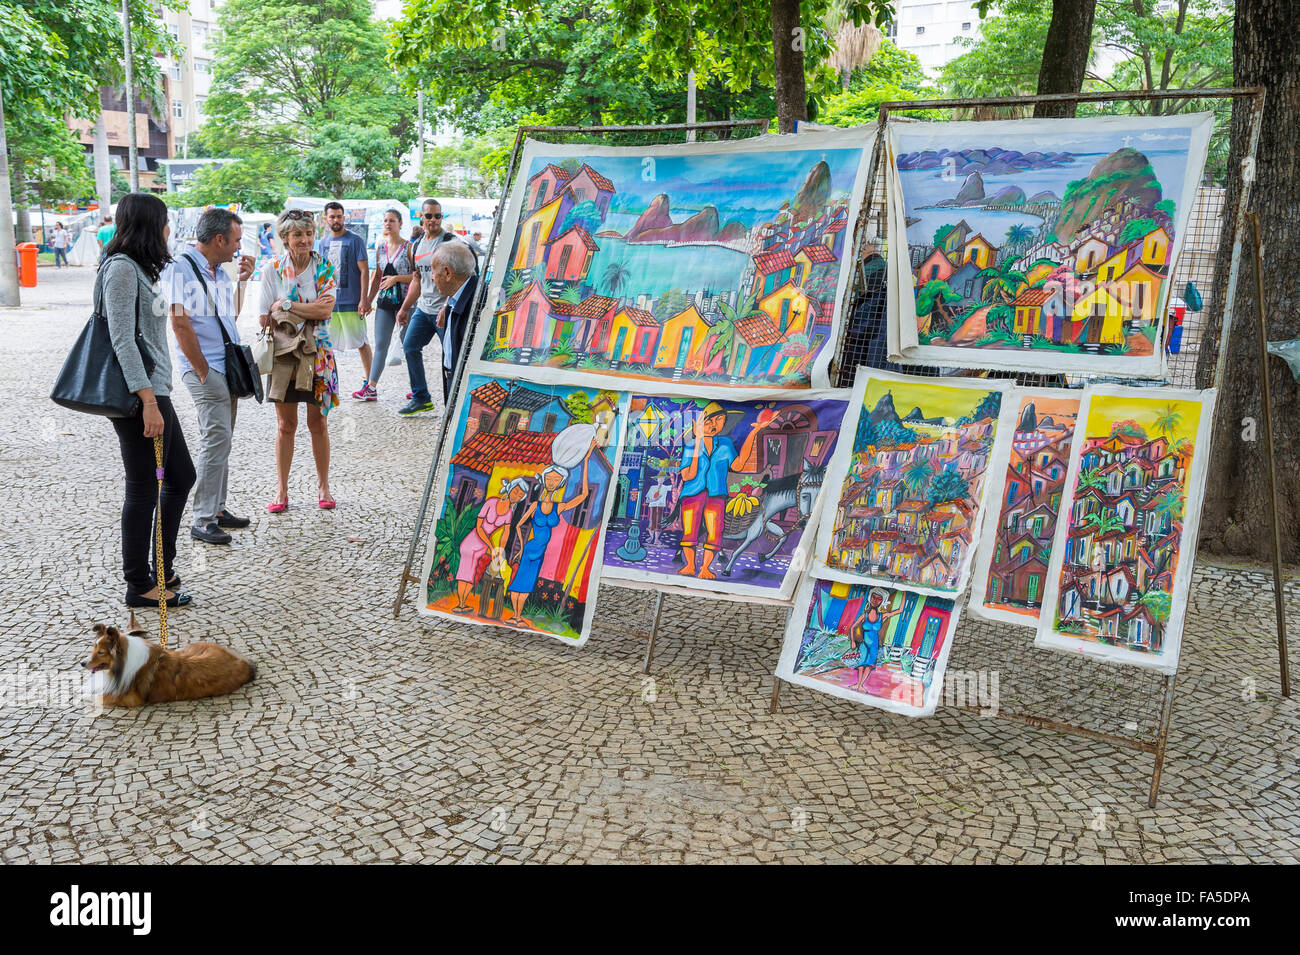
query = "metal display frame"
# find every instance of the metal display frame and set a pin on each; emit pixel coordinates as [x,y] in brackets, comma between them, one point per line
[1237,220]
[871,207]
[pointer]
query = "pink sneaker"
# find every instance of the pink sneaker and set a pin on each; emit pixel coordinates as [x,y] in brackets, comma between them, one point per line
[360,393]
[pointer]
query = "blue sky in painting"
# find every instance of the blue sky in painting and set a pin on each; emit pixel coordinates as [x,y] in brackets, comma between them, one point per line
[749,187]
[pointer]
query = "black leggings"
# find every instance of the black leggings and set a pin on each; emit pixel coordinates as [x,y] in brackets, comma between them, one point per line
[142,495]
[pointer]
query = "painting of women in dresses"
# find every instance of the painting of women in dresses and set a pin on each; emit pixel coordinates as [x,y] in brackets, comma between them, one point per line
[876,645]
[517,542]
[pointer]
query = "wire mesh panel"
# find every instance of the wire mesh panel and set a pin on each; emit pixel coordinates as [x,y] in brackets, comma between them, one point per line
[1124,704]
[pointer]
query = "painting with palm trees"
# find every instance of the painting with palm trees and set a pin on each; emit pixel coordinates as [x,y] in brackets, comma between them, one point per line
[1042,244]
[714,266]
[911,490]
[1015,548]
[1121,557]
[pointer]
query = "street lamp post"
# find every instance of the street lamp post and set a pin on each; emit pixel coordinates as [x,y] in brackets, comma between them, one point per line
[633,550]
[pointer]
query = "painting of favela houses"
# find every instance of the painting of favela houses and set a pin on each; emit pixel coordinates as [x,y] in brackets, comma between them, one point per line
[875,645]
[1125,542]
[912,484]
[528,482]
[1046,244]
[721,496]
[716,265]
[1010,572]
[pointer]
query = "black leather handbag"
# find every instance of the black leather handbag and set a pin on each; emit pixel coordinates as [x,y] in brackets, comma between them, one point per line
[242,377]
[91,380]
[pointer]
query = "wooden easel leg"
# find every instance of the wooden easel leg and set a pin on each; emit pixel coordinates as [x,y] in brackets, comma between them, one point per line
[1162,739]
[775,705]
[654,633]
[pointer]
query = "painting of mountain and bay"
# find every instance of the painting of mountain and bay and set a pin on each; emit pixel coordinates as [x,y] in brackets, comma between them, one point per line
[704,267]
[910,488]
[1046,244]
[1121,563]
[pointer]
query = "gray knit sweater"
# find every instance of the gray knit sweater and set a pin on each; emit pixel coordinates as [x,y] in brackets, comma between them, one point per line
[127,292]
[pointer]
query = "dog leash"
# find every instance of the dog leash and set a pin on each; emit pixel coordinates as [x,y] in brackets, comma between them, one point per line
[158,544]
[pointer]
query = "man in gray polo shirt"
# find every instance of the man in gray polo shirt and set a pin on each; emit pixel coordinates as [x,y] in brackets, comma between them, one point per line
[200,308]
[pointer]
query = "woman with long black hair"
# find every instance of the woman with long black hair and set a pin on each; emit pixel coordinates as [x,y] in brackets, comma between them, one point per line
[127,285]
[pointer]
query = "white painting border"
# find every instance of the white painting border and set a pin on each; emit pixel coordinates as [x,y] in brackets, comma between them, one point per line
[1167,661]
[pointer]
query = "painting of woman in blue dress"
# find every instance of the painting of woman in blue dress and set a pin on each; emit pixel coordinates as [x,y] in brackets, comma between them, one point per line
[544,514]
[864,636]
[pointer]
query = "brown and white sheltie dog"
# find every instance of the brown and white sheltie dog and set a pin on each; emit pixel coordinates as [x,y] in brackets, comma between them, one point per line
[137,672]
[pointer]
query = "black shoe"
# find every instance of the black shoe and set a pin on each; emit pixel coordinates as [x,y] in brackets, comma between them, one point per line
[415,406]
[210,533]
[226,519]
[177,600]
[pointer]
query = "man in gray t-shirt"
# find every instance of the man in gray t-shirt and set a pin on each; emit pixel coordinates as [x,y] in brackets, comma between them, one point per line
[423,306]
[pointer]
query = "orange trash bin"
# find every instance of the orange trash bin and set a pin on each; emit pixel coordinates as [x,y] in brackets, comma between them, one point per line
[27,264]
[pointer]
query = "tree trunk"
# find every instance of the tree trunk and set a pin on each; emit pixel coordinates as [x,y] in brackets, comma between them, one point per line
[22,217]
[1065,54]
[1235,520]
[787,49]
[9,295]
[103,177]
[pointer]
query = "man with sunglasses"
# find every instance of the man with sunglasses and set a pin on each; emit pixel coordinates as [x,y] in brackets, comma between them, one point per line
[427,318]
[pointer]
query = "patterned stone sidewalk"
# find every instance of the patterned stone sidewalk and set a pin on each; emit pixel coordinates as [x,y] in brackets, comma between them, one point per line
[367,738]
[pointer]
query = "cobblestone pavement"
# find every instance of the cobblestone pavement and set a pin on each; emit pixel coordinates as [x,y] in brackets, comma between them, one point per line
[366,738]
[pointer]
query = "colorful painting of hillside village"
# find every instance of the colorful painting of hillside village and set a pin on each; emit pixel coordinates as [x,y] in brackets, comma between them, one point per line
[910,500]
[874,645]
[517,539]
[732,516]
[1122,544]
[702,267]
[1013,573]
[1043,241]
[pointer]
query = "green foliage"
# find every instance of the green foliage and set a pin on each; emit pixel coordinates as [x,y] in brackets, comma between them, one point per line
[453,527]
[579,404]
[46,162]
[948,485]
[585,214]
[1167,206]
[472,167]
[344,158]
[1158,604]
[860,107]
[258,181]
[55,54]
[932,293]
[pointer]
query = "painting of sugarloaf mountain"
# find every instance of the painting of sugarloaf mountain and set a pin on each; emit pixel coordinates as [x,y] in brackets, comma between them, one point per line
[694,267]
[1047,236]
[909,501]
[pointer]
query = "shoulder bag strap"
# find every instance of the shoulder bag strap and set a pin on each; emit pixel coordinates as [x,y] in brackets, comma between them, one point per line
[225,336]
[97,301]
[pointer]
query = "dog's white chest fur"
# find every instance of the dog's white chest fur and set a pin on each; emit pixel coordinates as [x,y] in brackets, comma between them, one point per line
[137,655]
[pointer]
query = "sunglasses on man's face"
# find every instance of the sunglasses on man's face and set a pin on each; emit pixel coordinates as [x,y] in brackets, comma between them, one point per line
[433,215]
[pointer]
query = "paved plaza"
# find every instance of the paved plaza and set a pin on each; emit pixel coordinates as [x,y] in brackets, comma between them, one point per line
[367,738]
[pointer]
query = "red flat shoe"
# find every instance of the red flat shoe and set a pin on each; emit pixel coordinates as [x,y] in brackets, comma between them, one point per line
[325,503]
[275,507]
